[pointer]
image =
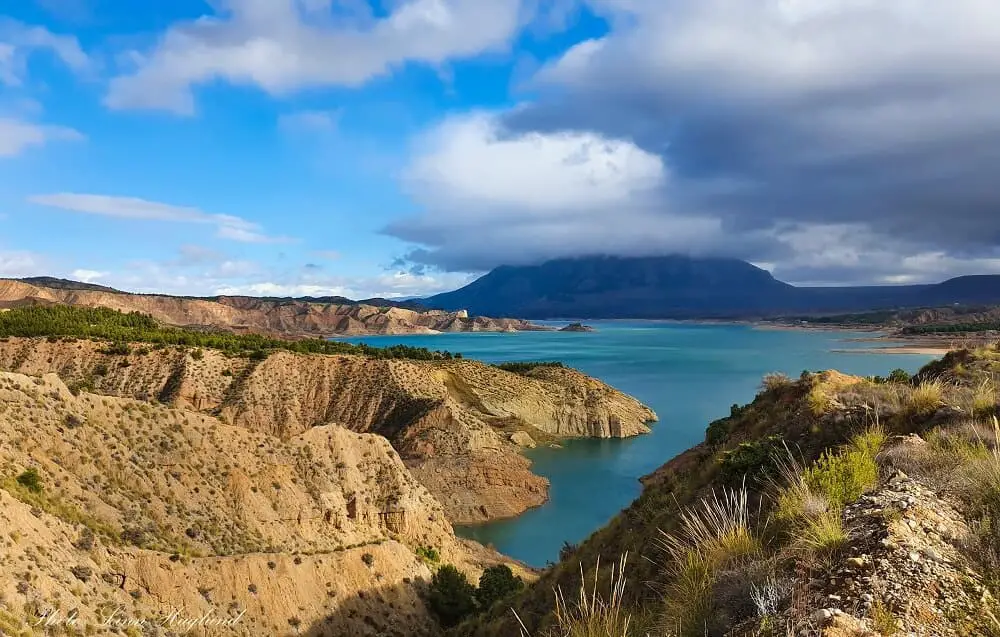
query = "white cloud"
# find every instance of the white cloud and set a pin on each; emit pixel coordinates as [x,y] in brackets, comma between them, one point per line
[469,160]
[20,263]
[282,46]
[248,278]
[765,116]
[491,196]
[389,286]
[18,41]
[18,135]
[830,254]
[227,226]
[88,276]
[309,121]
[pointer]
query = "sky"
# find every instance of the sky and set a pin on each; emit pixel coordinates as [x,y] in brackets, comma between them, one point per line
[403,147]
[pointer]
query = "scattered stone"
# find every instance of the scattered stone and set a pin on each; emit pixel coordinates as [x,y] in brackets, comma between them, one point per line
[523,439]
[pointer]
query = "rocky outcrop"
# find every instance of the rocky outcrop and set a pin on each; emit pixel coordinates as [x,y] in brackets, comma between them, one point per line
[449,420]
[275,317]
[903,565]
[151,509]
[577,327]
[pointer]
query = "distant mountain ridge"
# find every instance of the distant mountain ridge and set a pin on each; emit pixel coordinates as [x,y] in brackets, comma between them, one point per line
[57,283]
[680,287]
[277,317]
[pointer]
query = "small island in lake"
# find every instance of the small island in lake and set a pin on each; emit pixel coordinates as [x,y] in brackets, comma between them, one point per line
[577,327]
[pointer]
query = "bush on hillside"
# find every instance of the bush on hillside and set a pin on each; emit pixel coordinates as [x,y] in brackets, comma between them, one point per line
[751,460]
[451,597]
[30,480]
[525,367]
[843,477]
[497,583]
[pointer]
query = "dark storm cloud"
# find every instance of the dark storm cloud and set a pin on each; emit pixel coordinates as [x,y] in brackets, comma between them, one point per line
[836,140]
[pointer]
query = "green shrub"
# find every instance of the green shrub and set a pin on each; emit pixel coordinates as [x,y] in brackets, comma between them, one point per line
[751,460]
[451,597]
[525,367]
[497,583]
[775,381]
[841,478]
[717,432]
[567,550]
[428,554]
[118,348]
[899,376]
[926,398]
[30,480]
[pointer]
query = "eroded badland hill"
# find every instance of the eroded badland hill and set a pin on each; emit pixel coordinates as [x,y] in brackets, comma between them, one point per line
[145,482]
[451,421]
[146,508]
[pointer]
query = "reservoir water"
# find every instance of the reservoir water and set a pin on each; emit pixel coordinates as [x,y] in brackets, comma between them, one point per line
[689,374]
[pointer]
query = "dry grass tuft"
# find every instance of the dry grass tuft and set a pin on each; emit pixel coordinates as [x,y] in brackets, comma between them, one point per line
[775,381]
[926,398]
[984,399]
[591,614]
[716,535]
[824,535]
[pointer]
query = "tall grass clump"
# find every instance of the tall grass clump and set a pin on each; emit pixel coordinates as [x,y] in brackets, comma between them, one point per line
[984,399]
[824,534]
[926,397]
[591,614]
[982,495]
[715,536]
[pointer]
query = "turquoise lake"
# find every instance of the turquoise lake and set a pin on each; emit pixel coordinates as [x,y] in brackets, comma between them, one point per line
[689,374]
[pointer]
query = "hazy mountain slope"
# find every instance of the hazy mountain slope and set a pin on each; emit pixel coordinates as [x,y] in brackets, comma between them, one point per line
[613,287]
[683,287]
[281,317]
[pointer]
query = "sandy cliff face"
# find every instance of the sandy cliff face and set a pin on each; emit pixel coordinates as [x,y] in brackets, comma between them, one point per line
[150,508]
[297,318]
[449,420]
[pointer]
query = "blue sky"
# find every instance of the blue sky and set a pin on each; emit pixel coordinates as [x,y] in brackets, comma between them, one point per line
[311,170]
[400,147]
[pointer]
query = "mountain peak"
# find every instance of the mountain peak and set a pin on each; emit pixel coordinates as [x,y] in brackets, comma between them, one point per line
[684,287]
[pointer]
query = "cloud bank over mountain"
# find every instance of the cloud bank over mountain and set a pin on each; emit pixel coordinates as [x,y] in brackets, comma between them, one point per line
[834,140]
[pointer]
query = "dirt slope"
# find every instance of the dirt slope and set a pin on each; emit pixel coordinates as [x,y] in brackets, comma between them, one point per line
[451,421]
[285,318]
